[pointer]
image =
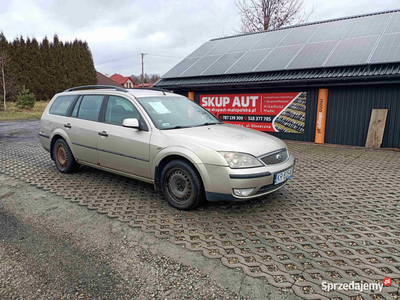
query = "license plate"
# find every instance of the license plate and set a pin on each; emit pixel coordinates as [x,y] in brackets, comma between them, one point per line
[283,176]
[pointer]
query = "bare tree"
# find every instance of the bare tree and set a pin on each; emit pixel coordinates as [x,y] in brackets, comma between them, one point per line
[154,78]
[2,65]
[148,78]
[259,15]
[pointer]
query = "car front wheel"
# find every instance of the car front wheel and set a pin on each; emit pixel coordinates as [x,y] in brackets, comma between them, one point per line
[182,185]
[63,158]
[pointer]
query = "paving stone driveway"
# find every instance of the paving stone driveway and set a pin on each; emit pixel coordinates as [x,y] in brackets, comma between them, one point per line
[338,219]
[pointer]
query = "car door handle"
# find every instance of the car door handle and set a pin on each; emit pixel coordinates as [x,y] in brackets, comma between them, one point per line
[67,125]
[103,133]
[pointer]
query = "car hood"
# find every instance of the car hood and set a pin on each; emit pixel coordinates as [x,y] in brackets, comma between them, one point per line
[224,137]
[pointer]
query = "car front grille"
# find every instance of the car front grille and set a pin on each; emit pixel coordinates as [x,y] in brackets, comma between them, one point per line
[276,157]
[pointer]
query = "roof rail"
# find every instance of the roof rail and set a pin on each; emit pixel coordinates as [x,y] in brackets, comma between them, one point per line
[120,89]
[153,89]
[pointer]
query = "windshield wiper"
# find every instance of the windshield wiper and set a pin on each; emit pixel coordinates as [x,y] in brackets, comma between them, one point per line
[177,127]
[180,126]
[209,123]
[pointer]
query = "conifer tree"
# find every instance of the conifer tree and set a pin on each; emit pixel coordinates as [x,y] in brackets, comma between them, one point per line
[47,68]
[3,72]
[56,63]
[36,72]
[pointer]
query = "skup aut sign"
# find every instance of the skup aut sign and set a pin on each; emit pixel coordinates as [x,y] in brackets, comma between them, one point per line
[272,112]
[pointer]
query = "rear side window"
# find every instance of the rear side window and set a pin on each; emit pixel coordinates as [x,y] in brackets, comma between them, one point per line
[89,108]
[61,105]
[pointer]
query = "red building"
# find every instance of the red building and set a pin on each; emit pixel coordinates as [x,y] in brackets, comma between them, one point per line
[122,80]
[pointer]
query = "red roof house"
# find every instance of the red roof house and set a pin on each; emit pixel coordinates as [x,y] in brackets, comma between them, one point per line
[122,80]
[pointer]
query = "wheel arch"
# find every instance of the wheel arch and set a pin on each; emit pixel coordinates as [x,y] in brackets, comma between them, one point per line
[162,160]
[59,135]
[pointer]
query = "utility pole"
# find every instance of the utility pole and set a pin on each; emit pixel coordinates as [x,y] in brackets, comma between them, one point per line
[143,54]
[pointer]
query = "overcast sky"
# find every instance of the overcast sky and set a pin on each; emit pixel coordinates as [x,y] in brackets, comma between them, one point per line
[117,31]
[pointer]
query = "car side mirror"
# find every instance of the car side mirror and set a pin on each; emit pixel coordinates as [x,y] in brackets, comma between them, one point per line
[131,123]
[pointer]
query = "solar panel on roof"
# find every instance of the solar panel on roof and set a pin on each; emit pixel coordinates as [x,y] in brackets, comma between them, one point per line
[225,45]
[278,58]
[181,67]
[246,43]
[223,64]
[299,35]
[367,26]
[333,43]
[203,49]
[388,49]
[271,39]
[331,31]
[353,51]
[201,65]
[394,24]
[312,55]
[249,61]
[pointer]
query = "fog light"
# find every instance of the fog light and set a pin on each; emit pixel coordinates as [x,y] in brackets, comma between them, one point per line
[243,192]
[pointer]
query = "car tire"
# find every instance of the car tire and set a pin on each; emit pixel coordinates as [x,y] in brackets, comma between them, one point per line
[63,157]
[182,186]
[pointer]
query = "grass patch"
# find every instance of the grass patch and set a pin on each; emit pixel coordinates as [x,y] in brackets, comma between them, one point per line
[15,113]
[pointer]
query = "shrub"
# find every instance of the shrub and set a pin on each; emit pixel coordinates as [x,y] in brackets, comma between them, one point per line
[26,99]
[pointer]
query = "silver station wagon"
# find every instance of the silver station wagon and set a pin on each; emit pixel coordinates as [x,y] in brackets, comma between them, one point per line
[162,138]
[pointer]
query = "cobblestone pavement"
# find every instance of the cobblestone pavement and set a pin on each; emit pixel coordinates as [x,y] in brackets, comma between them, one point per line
[337,220]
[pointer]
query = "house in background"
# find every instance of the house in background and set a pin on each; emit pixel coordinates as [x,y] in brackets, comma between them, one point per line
[104,80]
[122,80]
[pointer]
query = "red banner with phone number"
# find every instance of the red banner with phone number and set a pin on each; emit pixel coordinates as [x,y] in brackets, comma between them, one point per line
[272,112]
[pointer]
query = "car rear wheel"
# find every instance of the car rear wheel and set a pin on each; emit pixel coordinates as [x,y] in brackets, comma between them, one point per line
[182,185]
[63,158]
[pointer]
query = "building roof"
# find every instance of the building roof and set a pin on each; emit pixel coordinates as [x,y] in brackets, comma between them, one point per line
[300,77]
[121,79]
[104,80]
[323,48]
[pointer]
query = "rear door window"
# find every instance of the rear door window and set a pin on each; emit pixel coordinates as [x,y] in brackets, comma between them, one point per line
[61,105]
[119,109]
[89,108]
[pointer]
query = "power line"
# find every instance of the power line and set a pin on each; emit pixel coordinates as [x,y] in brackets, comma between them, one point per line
[117,60]
[125,59]
[161,55]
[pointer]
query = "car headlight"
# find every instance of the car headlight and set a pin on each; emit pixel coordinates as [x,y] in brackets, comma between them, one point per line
[237,160]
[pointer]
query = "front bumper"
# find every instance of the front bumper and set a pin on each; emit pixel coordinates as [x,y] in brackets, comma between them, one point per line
[222,181]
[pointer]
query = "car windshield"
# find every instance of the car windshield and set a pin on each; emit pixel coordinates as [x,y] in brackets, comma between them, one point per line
[176,112]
